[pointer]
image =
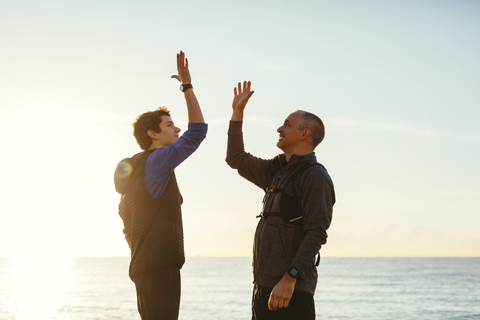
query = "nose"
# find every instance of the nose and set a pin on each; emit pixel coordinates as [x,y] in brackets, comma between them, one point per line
[280,129]
[177,129]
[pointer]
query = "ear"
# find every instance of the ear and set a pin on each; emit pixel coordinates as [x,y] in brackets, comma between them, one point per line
[306,134]
[152,134]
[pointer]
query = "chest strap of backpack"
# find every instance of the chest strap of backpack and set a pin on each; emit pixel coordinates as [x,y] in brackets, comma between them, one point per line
[290,207]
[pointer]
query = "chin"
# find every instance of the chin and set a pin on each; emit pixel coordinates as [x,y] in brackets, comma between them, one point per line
[279,145]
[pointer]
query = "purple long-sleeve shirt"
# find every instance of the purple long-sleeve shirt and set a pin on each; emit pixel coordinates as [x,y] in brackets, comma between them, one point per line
[162,162]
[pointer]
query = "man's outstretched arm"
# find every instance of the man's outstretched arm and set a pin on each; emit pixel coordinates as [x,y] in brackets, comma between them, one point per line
[194,112]
[163,161]
[250,167]
[235,147]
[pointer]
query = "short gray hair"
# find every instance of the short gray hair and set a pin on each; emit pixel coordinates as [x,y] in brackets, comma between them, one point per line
[314,123]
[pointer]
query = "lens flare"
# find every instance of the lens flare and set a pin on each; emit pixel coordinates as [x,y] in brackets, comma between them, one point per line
[123,170]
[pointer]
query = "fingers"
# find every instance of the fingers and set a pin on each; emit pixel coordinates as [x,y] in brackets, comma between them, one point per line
[180,60]
[182,68]
[275,303]
[272,304]
[246,87]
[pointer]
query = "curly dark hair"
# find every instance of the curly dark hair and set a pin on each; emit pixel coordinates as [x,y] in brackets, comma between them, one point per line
[148,121]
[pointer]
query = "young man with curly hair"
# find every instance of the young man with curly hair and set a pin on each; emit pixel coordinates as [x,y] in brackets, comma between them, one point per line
[150,206]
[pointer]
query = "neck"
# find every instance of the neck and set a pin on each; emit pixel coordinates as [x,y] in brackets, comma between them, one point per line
[156,145]
[288,156]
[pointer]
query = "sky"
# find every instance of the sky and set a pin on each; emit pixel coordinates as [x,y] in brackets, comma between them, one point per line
[395,82]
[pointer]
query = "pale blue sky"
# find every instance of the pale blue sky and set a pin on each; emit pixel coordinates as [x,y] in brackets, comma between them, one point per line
[395,82]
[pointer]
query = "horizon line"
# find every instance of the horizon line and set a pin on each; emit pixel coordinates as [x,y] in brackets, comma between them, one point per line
[207,256]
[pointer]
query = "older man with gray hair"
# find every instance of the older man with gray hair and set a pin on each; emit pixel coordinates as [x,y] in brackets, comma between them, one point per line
[297,211]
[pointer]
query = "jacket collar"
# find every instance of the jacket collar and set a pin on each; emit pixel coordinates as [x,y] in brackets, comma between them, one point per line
[296,159]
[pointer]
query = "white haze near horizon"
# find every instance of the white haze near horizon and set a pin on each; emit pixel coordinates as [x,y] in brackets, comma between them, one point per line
[396,84]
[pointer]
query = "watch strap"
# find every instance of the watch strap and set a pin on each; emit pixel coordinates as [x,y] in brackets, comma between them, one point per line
[185,86]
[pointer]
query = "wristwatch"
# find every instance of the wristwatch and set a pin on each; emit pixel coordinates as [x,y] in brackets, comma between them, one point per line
[185,86]
[294,273]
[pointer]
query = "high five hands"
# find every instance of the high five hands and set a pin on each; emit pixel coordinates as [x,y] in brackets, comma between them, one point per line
[240,99]
[182,67]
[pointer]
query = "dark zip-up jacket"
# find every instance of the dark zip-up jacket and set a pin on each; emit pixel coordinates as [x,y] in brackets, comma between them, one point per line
[280,245]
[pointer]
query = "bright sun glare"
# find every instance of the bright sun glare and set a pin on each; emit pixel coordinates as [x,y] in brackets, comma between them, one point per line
[37,285]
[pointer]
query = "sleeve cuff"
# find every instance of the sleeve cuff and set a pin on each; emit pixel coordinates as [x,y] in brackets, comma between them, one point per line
[235,127]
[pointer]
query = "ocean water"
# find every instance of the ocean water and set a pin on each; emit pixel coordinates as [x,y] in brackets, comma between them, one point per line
[220,288]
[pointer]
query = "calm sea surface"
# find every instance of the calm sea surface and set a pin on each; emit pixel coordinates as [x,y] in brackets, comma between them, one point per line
[220,288]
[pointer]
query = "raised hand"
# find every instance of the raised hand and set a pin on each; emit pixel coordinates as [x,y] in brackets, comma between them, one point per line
[182,68]
[240,99]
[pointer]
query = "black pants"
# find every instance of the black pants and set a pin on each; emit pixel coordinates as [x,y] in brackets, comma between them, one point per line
[301,306]
[158,293]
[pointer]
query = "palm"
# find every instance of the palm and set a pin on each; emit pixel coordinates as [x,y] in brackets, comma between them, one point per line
[182,67]
[242,95]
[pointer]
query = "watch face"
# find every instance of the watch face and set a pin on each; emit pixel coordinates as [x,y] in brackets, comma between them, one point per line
[293,272]
[184,87]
